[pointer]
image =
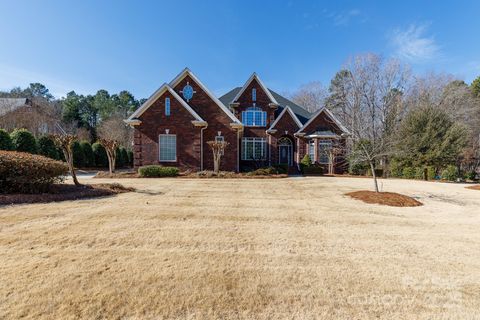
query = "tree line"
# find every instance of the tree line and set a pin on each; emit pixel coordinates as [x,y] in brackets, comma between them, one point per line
[400,122]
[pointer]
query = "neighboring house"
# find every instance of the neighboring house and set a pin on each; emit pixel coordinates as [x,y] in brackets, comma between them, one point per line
[262,128]
[24,113]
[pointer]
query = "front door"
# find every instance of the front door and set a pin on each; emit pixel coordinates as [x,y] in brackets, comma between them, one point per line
[285,151]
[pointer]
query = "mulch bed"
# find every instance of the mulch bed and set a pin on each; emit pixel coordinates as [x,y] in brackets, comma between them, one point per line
[63,192]
[476,187]
[385,198]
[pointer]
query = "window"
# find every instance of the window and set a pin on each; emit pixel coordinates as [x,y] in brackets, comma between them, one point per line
[254,117]
[254,94]
[220,139]
[323,149]
[254,148]
[311,150]
[167,106]
[168,147]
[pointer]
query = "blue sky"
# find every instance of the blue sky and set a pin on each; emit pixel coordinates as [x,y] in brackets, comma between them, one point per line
[138,45]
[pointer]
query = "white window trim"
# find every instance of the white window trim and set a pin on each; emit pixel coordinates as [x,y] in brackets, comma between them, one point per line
[255,110]
[254,140]
[159,148]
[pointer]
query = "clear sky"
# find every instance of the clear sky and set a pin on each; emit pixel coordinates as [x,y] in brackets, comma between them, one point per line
[138,45]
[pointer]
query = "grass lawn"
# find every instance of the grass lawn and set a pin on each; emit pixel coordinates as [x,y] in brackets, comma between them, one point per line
[294,248]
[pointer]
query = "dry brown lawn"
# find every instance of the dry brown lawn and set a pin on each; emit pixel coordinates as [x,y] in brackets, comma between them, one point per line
[244,249]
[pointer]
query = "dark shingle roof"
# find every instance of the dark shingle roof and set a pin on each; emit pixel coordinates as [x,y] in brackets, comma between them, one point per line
[302,114]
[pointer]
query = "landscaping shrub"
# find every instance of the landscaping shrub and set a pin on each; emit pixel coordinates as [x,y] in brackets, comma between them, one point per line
[408,173]
[23,141]
[47,148]
[124,154]
[119,160]
[305,162]
[263,172]
[78,155]
[313,170]
[395,168]
[155,171]
[378,172]
[431,173]
[27,173]
[419,173]
[101,159]
[358,169]
[450,173]
[130,158]
[88,154]
[281,168]
[5,140]
[471,175]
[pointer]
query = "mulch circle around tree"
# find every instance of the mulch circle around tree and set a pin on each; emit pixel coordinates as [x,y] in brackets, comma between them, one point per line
[385,198]
[63,192]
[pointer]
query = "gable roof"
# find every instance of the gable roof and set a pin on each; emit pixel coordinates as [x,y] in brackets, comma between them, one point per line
[165,87]
[330,115]
[254,76]
[284,111]
[302,114]
[11,104]
[188,72]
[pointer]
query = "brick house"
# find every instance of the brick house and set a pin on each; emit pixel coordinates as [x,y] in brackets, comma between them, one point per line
[262,128]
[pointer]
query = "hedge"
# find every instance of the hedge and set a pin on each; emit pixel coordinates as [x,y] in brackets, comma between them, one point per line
[5,140]
[130,158]
[27,173]
[155,171]
[450,173]
[88,155]
[119,161]
[312,170]
[23,141]
[47,148]
[101,159]
[78,156]
[124,157]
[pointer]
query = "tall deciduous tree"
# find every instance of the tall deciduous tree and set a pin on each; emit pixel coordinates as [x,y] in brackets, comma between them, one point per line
[311,96]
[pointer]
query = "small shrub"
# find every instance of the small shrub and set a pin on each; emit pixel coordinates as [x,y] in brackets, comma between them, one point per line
[5,141]
[281,168]
[378,172]
[471,175]
[119,160]
[101,159]
[78,155]
[395,168]
[155,171]
[408,173]
[88,155]
[358,169]
[23,141]
[450,173]
[305,162]
[313,170]
[431,173]
[130,158]
[263,172]
[124,155]
[47,148]
[419,173]
[28,173]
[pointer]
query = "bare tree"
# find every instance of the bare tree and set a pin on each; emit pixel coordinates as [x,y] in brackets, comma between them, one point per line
[65,142]
[111,149]
[367,96]
[218,148]
[311,96]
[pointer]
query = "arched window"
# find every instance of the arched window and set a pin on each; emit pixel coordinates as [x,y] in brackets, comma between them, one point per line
[254,117]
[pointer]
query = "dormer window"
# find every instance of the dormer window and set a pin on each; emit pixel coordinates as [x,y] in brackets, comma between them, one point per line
[254,117]
[254,94]
[167,106]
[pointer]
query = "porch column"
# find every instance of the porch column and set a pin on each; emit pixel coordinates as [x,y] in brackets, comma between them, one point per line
[315,150]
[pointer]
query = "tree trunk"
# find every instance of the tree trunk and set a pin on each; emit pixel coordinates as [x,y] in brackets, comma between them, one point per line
[216,161]
[372,167]
[69,159]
